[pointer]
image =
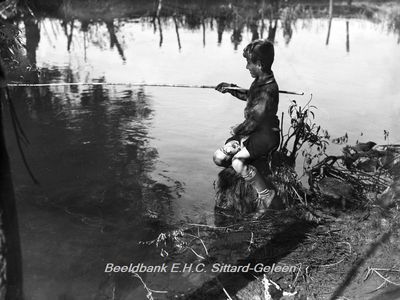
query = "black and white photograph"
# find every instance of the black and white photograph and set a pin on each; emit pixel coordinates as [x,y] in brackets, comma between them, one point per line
[199,149]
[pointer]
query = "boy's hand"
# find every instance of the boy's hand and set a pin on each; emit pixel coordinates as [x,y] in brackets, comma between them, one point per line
[223,85]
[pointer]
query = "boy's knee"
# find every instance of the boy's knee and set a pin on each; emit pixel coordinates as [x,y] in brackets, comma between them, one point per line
[220,159]
[238,165]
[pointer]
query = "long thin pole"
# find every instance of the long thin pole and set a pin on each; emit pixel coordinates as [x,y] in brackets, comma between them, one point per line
[132,84]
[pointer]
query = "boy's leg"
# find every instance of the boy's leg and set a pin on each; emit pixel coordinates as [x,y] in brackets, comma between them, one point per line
[266,194]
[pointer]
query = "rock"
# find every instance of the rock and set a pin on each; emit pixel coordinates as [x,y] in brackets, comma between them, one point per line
[368,165]
[389,158]
[363,147]
[336,189]
[385,224]
[393,148]
[390,195]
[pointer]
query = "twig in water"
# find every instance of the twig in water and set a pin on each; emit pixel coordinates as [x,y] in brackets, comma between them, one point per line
[205,249]
[251,242]
[201,241]
[384,278]
[347,244]
[297,275]
[212,227]
[308,275]
[149,291]
[198,255]
[387,270]
[113,293]
[334,264]
[226,293]
[298,196]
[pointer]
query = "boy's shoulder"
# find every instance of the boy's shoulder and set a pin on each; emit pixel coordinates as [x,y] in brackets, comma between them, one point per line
[269,85]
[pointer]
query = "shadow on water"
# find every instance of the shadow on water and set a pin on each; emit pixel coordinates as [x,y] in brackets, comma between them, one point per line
[95,200]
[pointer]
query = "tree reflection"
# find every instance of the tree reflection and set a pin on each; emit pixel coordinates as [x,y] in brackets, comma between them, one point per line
[177,31]
[69,34]
[394,23]
[32,33]
[254,31]
[234,19]
[221,25]
[113,39]
[288,19]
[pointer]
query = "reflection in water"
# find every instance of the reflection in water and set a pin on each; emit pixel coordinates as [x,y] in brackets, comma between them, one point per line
[92,158]
[158,18]
[347,37]
[288,19]
[221,24]
[69,34]
[32,33]
[254,31]
[394,23]
[330,21]
[177,31]
[272,30]
[238,25]
[234,18]
[114,39]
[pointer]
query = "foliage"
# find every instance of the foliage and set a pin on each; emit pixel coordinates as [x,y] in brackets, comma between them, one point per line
[10,43]
[386,135]
[8,8]
[303,131]
[304,136]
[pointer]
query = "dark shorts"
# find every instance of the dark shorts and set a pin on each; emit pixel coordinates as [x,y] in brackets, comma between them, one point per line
[261,142]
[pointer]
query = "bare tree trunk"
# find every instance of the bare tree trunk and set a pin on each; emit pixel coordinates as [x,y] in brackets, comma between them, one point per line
[10,249]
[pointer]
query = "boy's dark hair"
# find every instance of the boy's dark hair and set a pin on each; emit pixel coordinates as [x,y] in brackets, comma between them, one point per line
[261,50]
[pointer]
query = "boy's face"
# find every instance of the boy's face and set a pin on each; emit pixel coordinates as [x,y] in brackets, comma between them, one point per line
[254,68]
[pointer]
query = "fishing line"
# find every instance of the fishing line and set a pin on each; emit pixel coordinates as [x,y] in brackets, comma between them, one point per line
[134,84]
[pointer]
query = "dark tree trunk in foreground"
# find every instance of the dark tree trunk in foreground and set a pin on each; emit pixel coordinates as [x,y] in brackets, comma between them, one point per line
[10,249]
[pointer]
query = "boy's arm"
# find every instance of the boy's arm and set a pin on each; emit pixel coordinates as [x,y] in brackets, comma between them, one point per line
[233,89]
[238,92]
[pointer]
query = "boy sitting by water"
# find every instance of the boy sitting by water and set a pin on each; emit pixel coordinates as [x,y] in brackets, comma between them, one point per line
[260,127]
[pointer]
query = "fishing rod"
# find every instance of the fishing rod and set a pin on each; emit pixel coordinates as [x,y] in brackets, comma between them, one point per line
[134,84]
[280,91]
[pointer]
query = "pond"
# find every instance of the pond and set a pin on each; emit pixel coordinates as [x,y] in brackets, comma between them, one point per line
[119,163]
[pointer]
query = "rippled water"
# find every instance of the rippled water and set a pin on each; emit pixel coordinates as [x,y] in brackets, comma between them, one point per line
[120,164]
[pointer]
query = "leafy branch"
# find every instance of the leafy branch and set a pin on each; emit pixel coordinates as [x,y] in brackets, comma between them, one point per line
[302,130]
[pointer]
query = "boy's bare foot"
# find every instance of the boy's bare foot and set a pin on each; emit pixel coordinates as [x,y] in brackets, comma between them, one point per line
[266,203]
